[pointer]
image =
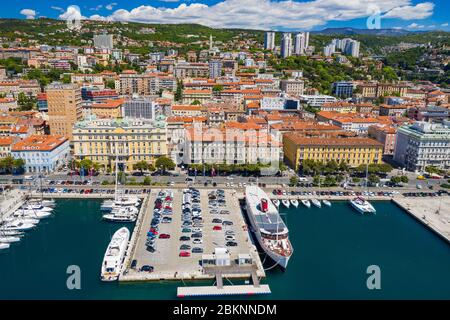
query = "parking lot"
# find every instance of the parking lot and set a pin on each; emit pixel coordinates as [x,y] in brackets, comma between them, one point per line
[208,218]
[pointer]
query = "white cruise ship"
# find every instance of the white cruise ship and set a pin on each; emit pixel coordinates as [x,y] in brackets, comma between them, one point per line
[114,255]
[362,205]
[268,227]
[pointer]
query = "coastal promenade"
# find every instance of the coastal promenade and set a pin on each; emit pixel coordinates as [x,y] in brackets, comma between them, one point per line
[432,212]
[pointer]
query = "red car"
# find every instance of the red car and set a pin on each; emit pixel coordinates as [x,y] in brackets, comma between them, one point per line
[164,236]
[152,230]
[217,228]
[185,254]
[168,198]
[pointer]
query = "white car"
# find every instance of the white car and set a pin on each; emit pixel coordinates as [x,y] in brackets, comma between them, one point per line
[197,241]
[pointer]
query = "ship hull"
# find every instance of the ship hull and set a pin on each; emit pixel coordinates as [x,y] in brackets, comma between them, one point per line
[281,261]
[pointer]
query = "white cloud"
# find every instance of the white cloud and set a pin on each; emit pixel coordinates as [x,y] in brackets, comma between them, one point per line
[111,6]
[72,13]
[419,11]
[28,13]
[57,8]
[444,24]
[96,8]
[415,26]
[268,14]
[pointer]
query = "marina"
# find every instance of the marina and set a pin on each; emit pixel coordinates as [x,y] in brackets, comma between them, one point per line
[329,230]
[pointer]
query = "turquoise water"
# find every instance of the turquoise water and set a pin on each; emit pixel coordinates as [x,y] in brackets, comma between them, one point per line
[333,248]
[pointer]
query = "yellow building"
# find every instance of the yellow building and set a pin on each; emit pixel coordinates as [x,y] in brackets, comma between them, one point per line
[130,140]
[354,151]
[64,108]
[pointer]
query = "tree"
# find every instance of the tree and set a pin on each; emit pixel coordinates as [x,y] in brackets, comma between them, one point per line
[110,84]
[196,103]
[374,179]
[179,91]
[218,88]
[147,181]
[7,163]
[18,164]
[26,103]
[141,166]
[404,179]
[164,163]
[293,181]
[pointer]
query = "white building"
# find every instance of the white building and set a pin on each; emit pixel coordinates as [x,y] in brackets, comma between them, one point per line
[294,87]
[269,41]
[317,100]
[423,144]
[286,45]
[219,146]
[301,42]
[42,153]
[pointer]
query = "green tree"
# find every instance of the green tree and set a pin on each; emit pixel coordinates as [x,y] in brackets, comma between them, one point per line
[293,181]
[141,166]
[179,91]
[374,179]
[110,84]
[218,88]
[196,103]
[26,103]
[18,164]
[164,163]
[147,181]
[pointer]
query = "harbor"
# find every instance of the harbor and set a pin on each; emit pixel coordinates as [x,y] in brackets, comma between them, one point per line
[336,236]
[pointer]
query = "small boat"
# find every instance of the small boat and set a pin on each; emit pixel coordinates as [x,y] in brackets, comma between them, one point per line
[4,246]
[44,203]
[316,203]
[17,226]
[276,202]
[327,203]
[121,215]
[37,207]
[11,233]
[32,214]
[115,252]
[22,219]
[362,206]
[9,239]
[285,203]
[129,210]
[306,203]
[294,202]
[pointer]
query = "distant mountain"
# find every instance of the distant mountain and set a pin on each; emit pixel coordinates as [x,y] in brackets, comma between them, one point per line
[354,31]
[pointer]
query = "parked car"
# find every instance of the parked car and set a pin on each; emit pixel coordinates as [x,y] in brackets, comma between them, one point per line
[146,268]
[217,228]
[185,254]
[164,236]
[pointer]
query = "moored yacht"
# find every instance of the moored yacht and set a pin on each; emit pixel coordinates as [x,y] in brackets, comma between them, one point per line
[276,203]
[269,229]
[362,205]
[4,246]
[294,202]
[327,203]
[316,203]
[285,203]
[113,260]
[16,226]
[306,203]
[9,239]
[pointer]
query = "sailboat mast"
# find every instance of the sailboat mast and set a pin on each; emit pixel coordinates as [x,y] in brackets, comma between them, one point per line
[116,188]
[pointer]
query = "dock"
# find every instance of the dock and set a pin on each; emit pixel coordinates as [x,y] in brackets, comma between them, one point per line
[203,291]
[167,263]
[434,213]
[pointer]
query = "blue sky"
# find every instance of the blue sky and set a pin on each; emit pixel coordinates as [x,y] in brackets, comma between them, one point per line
[254,14]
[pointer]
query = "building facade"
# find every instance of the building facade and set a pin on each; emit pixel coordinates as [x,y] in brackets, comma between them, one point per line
[127,140]
[423,144]
[64,108]
[42,153]
[354,151]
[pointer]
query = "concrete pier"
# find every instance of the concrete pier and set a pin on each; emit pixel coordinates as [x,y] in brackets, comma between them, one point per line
[203,291]
[432,212]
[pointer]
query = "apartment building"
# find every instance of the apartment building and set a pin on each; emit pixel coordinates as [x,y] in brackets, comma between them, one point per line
[64,108]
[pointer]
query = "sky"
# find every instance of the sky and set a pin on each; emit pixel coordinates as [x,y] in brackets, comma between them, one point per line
[279,15]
